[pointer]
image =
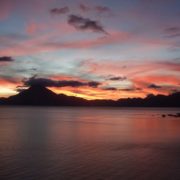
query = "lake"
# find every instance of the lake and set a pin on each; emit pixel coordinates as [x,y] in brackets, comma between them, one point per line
[62,143]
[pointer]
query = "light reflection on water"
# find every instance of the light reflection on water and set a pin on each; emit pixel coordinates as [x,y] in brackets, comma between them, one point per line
[89,143]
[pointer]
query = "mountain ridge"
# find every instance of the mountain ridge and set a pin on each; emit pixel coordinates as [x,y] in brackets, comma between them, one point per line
[41,96]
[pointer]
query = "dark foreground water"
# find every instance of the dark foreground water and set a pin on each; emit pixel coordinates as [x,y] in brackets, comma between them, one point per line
[89,143]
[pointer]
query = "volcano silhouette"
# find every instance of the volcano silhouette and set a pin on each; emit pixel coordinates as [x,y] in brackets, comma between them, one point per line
[39,95]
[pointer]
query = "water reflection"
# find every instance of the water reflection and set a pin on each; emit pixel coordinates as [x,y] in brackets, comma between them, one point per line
[79,143]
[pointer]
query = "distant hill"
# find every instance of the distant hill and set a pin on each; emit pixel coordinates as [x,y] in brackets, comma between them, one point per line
[38,95]
[41,96]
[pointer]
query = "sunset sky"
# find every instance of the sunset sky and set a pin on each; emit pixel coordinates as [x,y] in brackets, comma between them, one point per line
[105,49]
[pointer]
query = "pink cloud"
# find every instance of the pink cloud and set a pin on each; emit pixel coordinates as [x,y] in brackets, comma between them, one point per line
[140,74]
[32,28]
[43,43]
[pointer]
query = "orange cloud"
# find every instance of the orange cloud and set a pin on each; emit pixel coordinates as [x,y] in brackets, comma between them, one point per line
[97,93]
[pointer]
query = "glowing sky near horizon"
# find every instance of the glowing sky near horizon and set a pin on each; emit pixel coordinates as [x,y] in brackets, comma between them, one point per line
[129,48]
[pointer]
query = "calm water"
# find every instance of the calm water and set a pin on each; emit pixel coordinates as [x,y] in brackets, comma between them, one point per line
[89,143]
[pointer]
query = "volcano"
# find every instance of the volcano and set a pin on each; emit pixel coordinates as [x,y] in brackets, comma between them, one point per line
[42,96]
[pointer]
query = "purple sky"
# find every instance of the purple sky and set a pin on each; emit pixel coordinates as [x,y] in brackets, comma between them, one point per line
[128,48]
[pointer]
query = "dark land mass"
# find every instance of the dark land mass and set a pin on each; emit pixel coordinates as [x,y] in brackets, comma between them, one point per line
[41,96]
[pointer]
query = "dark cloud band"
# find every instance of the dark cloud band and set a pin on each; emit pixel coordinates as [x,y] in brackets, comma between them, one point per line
[117,78]
[33,81]
[59,11]
[6,59]
[85,24]
[154,86]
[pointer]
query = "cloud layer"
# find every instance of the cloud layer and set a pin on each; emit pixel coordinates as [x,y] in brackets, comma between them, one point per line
[59,11]
[133,52]
[6,59]
[82,23]
[33,81]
